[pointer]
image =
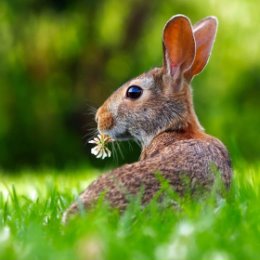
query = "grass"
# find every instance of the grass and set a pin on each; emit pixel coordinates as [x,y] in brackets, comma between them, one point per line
[31,206]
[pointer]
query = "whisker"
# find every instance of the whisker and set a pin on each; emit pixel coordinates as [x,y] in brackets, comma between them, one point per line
[138,143]
[130,145]
[91,110]
[120,150]
[114,152]
[91,133]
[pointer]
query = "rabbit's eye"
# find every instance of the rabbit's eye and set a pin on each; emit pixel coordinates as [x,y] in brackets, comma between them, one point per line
[134,92]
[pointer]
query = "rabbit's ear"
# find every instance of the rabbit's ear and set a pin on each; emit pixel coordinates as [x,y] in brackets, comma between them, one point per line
[204,33]
[178,46]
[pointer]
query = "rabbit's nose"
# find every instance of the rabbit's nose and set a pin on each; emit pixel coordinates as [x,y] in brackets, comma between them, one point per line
[105,122]
[104,119]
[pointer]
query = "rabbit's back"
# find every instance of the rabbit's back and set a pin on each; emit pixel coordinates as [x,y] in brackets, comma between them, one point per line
[187,165]
[197,156]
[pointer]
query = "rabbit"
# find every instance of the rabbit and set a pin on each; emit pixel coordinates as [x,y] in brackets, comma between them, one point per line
[156,108]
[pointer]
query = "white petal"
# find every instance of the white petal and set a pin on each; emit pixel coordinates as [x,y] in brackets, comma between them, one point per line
[91,142]
[105,153]
[99,155]
[96,139]
[108,152]
[95,150]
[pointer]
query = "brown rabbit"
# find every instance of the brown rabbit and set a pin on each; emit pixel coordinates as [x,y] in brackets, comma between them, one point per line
[156,109]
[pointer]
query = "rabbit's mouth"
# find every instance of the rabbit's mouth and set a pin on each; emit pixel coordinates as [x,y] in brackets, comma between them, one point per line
[116,135]
[123,136]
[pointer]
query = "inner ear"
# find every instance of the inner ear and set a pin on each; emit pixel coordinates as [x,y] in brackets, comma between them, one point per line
[178,46]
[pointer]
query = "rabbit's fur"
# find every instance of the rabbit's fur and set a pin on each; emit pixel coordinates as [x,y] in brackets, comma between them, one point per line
[163,120]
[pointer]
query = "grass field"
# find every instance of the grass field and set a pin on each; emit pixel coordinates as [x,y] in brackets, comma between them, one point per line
[31,206]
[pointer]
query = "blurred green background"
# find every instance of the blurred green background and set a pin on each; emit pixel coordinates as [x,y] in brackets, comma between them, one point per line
[58,58]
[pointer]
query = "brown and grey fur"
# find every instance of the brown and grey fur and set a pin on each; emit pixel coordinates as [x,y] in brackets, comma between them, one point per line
[163,120]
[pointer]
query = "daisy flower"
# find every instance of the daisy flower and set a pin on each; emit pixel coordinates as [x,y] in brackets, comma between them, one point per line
[100,150]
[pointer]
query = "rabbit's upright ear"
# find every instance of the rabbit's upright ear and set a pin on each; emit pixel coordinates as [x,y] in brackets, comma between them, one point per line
[178,46]
[204,33]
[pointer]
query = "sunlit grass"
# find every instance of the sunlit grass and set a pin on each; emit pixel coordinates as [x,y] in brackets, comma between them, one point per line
[31,206]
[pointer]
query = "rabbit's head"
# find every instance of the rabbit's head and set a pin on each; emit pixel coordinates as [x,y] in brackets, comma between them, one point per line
[160,99]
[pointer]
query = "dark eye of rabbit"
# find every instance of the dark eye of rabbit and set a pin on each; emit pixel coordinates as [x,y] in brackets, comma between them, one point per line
[134,92]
